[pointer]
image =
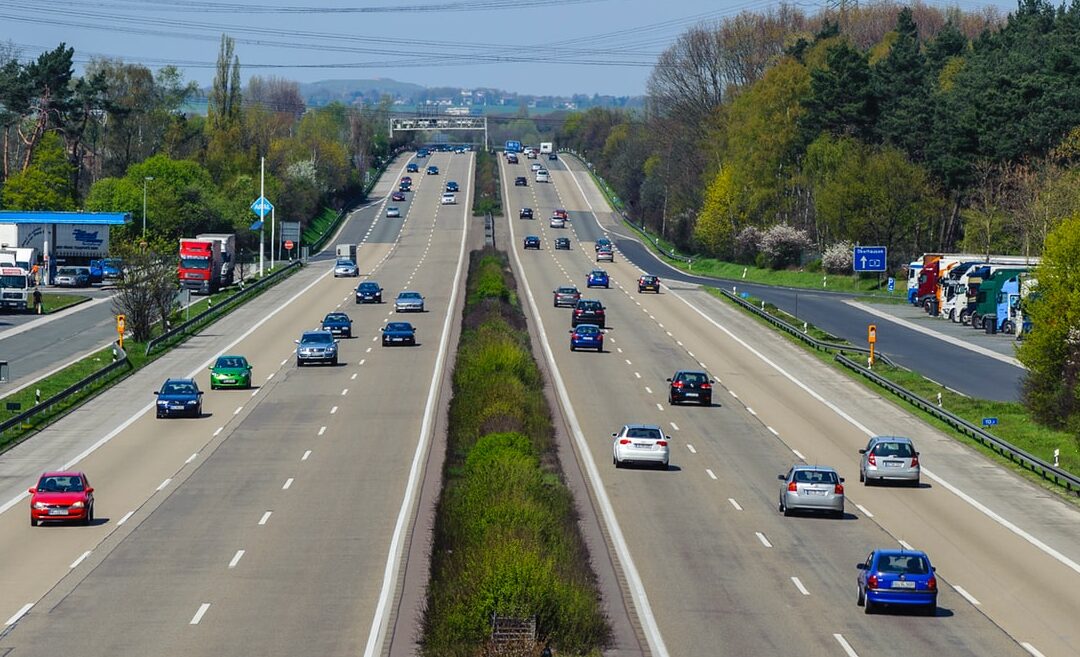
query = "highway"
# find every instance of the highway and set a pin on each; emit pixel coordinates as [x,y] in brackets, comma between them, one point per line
[712,567]
[274,524]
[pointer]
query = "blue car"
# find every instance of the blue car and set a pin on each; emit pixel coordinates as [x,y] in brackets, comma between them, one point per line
[452,186]
[179,397]
[97,271]
[412,167]
[368,292]
[598,278]
[398,333]
[586,336]
[112,268]
[338,324]
[433,170]
[897,577]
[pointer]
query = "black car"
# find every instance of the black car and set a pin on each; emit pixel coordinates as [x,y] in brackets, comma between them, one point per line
[552,156]
[521,181]
[532,242]
[688,385]
[526,213]
[368,292]
[398,333]
[588,311]
[648,282]
[405,187]
[338,324]
[452,186]
[562,243]
[179,397]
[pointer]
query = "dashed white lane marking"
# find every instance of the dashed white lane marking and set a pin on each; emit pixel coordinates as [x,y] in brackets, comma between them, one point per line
[269,376]
[674,426]
[306,455]
[322,430]
[764,541]
[1031,649]
[691,448]
[848,650]
[333,410]
[751,411]
[288,484]
[628,362]
[732,393]
[353,377]
[711,474]
[659,407]
[798,453]
[199,614]
[866,512]
[735,504]
[691,354]
[618,349]
[344,392]
[703,365]
[75,564]
[368,350]
[265,517]
[254,392]
[905,544]
[637,374]
[19,614]
[375,339]
[163,484]
[238,409]
[191,458]
[648,390]
[218,431]
[773,431]
[679,342]
[236,558]
[967,596]
[799,585]
[363,360]
[668,333]
[126,517]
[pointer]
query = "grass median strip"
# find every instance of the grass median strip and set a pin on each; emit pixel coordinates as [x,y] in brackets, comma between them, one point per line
[506,537]
[488,199]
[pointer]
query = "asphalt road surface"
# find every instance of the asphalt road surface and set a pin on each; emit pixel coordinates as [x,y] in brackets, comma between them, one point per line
[721,572]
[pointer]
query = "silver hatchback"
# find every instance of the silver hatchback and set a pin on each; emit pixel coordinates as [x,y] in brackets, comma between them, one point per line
[811,488]
[889,458]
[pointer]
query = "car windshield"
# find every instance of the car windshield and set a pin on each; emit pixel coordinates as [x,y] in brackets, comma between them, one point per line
[179,388]
[643,432]
[60,484]
[586,329]
[816,477]
[231,361]
[399,326]
[908,564]
[692,377]
[899,449]
[345,263]
[336,317]
[648,279]
[317,338]
[13,281]
[409,295]
[67,271]
[369,287]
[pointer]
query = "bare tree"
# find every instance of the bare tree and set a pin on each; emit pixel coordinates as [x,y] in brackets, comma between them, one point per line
[276,95]
[146,293]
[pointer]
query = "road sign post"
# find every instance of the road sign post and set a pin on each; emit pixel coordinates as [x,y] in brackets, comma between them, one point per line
[869,259]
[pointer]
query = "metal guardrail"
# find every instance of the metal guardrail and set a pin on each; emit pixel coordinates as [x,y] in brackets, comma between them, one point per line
[220,308]
[1060,477]
[46,404]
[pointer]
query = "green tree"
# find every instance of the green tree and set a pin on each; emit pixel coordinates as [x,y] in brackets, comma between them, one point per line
[841,100]
[902,92]
[44,185]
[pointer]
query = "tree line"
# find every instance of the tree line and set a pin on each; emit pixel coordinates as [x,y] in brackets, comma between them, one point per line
[911,127]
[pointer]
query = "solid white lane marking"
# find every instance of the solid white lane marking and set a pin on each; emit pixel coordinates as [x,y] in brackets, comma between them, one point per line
[218,431]
[265,517]
[735,504]
[904,544]
[353,377]
[798,453]
[848,650]
[124,519]
[191,458]
[659,407]
[322,430]
[674,426]
[19,614]
[75,564]
[711,474]
[751,411]
[648,390]
[799,585]
[774,431]
[866,512]
[288,484]
[691,448]
[344,392]
[199,614]
[637,374]
[967,596]
[165,483]
[764,541]
[333,410]
[306,455]
[238,409]
[236,558]
[1031,649]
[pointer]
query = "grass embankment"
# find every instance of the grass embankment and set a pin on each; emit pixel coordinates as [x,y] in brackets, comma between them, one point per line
[1014,426]
[318,226]
[52,302]
[506,537]
[488,197]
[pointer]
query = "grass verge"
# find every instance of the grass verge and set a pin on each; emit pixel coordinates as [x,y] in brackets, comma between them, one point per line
[52,302]
[1015,425]
[488,198]
[318,226]
[506,536]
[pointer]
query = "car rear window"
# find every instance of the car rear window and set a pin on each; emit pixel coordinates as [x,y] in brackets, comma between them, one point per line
[589,305]
[567,290]
[815,477]
[643,432]
[911,564]
[902,450]
[693,377]
[587,330]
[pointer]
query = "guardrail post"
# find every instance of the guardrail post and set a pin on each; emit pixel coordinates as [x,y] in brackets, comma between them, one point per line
[37,396]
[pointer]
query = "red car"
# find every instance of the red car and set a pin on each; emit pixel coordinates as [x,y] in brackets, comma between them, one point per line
[561,214]
[397,196]
[62,496]
[406,180]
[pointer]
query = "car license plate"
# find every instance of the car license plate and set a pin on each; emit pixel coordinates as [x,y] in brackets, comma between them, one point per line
[642,445]
[228,381]
[903,584]
[58,512]
[893,464]
[397,339]
[690,394]
[176,408]
[811,491]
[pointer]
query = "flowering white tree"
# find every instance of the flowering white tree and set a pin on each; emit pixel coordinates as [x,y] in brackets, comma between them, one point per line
[783,245]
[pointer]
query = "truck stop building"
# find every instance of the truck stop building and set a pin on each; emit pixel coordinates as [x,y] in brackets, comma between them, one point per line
[71,237]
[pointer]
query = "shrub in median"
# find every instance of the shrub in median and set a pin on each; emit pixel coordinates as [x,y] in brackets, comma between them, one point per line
[506,535]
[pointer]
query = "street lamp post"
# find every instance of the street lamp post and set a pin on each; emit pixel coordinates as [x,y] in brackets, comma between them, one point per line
[146,180]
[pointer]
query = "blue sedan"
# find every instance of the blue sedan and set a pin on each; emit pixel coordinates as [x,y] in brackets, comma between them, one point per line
[586,336]
[897,577]
[395,333]
[338,324]
[597,278]
[179,397]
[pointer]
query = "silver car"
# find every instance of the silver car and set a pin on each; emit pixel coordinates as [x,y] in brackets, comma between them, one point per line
[811,488]
[345,267]
[316,347]
[640,443]
[889,458]
[409,301]
[605,255]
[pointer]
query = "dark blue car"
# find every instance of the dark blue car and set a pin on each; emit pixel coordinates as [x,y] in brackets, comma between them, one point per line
[338,324]
[368,292]
[597,278]
[179,397]
[897,577]
[412,167]
[452,186]
[433,170]
[395,333]
[586,336]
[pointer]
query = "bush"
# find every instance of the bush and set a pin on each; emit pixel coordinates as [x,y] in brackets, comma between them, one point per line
[837,258]
[783,246]
[747,245]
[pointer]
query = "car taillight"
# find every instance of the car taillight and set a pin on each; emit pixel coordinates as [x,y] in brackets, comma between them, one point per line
[705,386]
[871,582]
[677,384]
[624,441]
[792,488]
[576,336]
[839,489]
[577,311]
[932,583]
[914,460]
[662,443]
[871,459]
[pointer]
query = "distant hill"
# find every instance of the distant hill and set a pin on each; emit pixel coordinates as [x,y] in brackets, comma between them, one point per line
[324,92]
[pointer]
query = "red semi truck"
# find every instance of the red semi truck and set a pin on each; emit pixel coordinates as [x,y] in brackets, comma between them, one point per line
[206,262]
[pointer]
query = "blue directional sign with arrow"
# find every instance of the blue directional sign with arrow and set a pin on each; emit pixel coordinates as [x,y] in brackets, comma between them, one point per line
[870,258]
[262,207]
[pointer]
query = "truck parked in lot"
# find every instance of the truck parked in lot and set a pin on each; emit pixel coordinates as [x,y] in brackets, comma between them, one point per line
[346,251]
[201,264]
[985,312]
[14,288]
[930,290]
[21,257]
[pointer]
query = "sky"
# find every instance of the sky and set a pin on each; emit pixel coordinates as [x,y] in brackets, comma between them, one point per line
[556,47]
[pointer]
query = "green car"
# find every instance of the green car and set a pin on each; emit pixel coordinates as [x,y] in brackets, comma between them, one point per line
[230,372]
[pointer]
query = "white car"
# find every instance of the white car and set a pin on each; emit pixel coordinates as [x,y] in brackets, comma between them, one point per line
[640,443]
[542,176]
[536,166]
[558,222]
[449,199]
[605,255]
[393,211]
[345,267]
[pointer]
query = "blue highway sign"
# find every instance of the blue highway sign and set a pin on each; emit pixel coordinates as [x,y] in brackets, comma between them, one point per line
[870,258]
[262,207]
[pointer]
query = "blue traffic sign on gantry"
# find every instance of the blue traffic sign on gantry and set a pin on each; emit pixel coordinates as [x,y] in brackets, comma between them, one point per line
[261,206]
[870,258]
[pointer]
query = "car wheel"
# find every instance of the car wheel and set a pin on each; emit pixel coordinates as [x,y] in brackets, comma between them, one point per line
[334,361]
[1008,327]
[915,483]
[860,599]
[158,416]
[862,479]
[618,463]
[787,512]
[706,401]
[607,287]
[868,605]
[930,609]
[299,363]
[33,523]
[88,519]
[573,348]
[839,515]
